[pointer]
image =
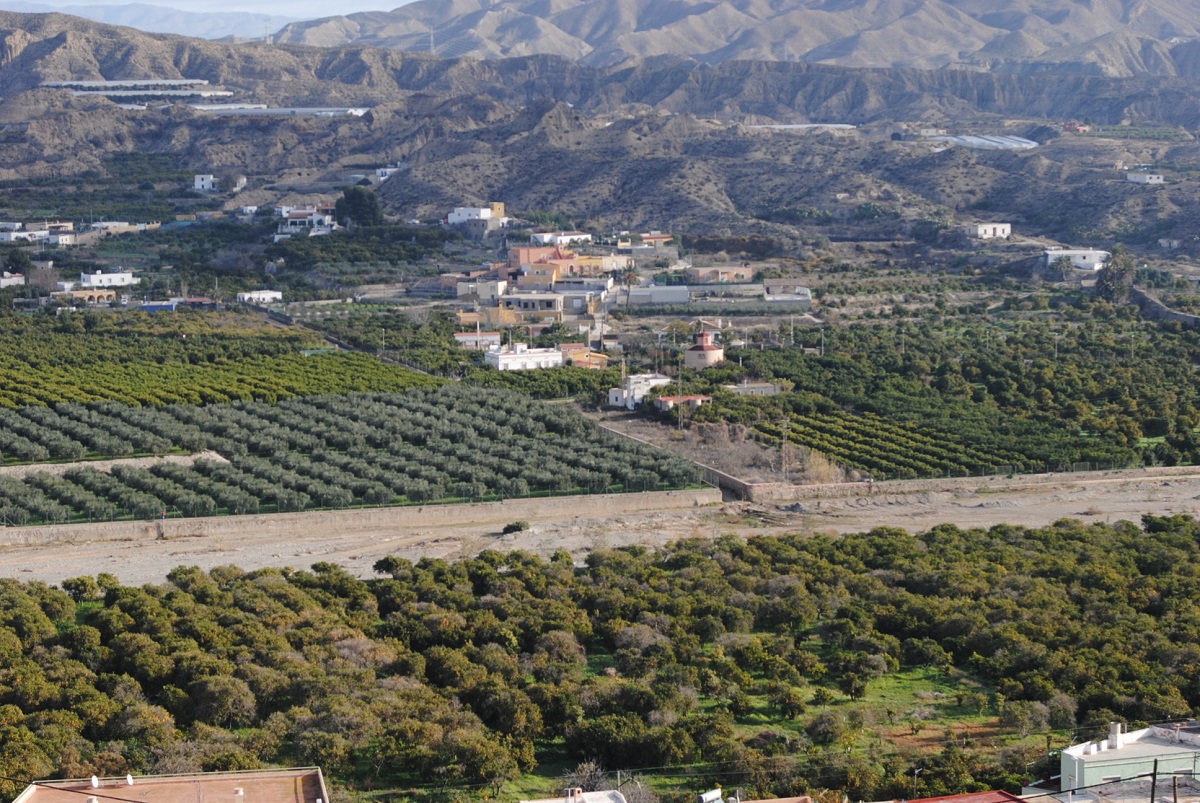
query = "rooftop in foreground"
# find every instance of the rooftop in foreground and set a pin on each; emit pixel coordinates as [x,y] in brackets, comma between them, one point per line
[301,785]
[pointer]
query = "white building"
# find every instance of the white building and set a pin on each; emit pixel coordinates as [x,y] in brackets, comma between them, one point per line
[30,236]
[63,240]
[383,173]
[1173,749]
[522,358]
[787,291]
[90,281]
[636,386]
[989,231]
[205,183]
[11,225]
[260,297]
[660,294]
[249,209]
[11,279]
[477,341]
[1144,178]
[486,290]
[577,795]
[462,214]
[559,237]
[1081,258]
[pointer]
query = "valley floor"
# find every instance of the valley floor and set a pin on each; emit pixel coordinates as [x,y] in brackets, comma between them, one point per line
[356,543]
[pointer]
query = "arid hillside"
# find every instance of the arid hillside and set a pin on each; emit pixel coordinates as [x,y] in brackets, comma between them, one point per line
[665,142]
[1111,37]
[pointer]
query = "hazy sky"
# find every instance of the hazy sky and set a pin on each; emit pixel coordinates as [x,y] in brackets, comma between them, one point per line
[297,9]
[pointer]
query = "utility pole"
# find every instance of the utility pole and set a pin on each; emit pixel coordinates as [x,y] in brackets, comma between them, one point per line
[783,439]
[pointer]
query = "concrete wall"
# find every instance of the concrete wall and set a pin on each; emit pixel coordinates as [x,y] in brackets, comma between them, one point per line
[342,521]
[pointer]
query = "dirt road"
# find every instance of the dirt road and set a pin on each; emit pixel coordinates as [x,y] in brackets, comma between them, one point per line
[915,506]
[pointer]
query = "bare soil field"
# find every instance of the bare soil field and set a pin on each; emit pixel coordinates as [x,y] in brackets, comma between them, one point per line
[853,507]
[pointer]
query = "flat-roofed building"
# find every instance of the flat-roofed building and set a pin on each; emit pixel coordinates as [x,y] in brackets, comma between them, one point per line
[304,785]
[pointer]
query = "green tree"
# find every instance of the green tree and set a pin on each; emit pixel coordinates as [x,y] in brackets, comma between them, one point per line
[360,206]
[1116,277]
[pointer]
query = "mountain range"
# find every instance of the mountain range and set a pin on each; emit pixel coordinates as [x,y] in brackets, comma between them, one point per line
[1097,37]
[663,141]
[160,19]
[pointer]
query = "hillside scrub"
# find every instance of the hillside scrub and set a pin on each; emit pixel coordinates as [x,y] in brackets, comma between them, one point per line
[777,664]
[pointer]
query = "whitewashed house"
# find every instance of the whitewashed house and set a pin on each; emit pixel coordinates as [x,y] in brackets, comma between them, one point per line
[989,231]
[260,297]
[1082,258]
[89,281]
[520,357]
[634,390]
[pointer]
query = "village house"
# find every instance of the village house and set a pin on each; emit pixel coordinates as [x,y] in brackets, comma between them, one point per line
[560,238]
[726,275]
[988,231]
[260,297]
[1166,749]
[539,276]
[526,306]
[1137,177]
[633,391]
[660,294]
[657,239]
[486,291]
[477,341]
[1080,258]
[303,785]
[520,357]
[88,281]
[602,264]
[577,795]
[477,222]
[667,403]
[11,279]
[24,236]
[90,296]
[205,183]
[581,355]
[747,388]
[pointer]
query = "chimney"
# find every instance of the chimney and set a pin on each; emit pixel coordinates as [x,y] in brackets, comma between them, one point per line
[1115,738]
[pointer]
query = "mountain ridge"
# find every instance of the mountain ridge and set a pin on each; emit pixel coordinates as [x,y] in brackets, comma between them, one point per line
[921,34]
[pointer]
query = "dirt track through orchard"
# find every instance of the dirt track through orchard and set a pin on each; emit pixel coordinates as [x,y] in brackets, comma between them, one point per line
[914,506]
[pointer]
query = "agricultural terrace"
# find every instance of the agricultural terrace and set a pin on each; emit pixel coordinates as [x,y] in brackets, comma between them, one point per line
[450,444]
[1092,387]
[139,359]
